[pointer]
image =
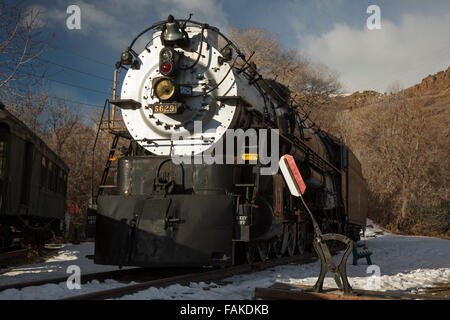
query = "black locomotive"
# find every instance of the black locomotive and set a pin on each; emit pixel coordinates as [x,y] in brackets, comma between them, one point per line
[165,213]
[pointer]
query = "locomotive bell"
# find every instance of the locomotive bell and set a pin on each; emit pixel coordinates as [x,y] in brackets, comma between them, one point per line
[172,32]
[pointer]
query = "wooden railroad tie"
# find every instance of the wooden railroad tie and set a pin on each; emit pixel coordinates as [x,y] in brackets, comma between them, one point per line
[282,291]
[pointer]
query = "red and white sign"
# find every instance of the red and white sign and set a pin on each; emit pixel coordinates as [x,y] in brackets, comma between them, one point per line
[292,175]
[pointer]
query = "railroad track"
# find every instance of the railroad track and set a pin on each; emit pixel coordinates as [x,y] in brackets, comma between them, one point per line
[7,257]
[185,279]
[124,275]
[13,254]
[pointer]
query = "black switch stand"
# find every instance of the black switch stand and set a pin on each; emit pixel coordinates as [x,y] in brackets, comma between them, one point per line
[326,260]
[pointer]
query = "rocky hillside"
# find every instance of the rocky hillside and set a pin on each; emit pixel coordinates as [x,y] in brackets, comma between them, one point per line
[434,89]
[438,83]
[402,142]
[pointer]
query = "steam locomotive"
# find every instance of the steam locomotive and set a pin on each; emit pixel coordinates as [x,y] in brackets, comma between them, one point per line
[200,185]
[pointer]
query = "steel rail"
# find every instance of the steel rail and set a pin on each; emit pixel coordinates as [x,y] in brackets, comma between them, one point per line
[143,272]
[207,276]
[15,253]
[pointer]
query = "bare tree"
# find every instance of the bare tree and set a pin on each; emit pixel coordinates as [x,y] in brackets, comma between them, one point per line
[72,136]
[403,149]
[30,107]
[22,40]
[394,87]
[63,122]
[312,84]
[290,67]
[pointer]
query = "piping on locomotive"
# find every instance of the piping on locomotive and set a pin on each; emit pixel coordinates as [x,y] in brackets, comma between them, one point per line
[164,212]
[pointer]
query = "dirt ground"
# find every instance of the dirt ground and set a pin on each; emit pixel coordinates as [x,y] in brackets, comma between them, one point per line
[441,290]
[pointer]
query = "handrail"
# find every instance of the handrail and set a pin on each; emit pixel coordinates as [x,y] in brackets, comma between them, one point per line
[93,150]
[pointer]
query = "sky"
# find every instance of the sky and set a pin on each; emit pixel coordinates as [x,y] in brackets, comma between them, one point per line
[413,40]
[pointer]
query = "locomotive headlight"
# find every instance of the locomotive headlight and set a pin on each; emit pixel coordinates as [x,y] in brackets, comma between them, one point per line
[164,89]
[166,54]
[168,61]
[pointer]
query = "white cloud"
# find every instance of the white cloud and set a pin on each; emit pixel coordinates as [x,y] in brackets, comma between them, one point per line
[115,22]
[208,11]
[419,45]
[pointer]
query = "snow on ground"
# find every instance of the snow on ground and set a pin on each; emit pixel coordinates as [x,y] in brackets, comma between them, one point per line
[57,291]
[406,263]
[56,266]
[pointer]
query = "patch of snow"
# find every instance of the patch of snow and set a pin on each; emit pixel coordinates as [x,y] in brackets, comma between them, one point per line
[56,291]
[56,266]
[372,230]
[64,256]
[406,263]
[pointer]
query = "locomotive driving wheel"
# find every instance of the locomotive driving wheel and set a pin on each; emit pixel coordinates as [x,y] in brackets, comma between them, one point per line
[277,247]
[250,252]
[263,249]
[302,238]
[291,240]
[5,237]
